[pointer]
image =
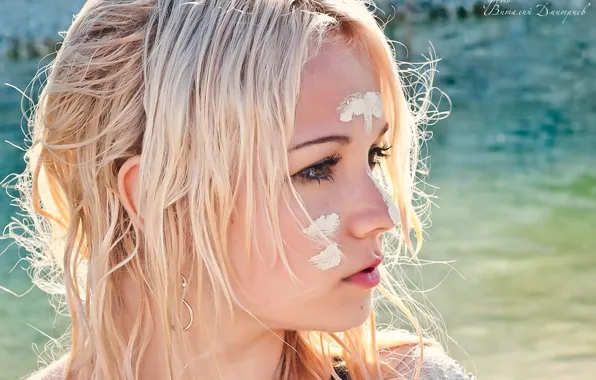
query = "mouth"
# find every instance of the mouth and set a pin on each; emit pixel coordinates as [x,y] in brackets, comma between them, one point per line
[368,277]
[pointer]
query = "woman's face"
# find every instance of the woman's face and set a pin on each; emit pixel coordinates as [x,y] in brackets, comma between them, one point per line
[338,103]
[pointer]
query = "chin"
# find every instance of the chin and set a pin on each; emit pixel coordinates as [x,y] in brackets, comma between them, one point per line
[349,316]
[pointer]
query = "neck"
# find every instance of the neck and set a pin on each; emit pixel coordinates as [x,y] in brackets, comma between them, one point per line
[255,357]
[242,349]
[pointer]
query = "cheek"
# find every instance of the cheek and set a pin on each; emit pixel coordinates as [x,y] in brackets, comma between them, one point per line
[263,281]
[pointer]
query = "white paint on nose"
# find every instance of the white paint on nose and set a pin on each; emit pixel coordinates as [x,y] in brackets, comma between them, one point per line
[392,209]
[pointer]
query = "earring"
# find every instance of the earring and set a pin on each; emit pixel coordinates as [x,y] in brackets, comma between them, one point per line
[190,312]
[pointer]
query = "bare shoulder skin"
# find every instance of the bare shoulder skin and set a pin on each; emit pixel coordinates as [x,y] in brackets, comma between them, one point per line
[54,371]
[436,365]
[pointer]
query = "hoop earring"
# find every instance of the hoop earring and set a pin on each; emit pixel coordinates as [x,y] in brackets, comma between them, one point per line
[190,311]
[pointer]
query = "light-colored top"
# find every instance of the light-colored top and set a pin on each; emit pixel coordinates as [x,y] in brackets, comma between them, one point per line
[436,365]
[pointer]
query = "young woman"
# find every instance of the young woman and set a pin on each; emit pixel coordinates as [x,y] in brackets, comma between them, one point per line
[220,185]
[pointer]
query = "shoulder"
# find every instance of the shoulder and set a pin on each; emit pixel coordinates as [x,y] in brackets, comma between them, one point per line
[54,371]
[436,364]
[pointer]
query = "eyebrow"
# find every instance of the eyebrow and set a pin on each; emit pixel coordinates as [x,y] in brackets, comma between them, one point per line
[342,139]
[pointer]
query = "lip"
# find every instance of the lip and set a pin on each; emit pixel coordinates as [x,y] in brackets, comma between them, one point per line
[369,276]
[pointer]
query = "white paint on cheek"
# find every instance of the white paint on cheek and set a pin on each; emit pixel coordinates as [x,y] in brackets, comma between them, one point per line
[329,258]
[326,225]
[367,104]
[391,206]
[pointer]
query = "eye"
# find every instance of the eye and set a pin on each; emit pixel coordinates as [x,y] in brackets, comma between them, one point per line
[377,153]
[322,171]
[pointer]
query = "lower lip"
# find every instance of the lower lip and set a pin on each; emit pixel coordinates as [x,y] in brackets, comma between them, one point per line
[366,278]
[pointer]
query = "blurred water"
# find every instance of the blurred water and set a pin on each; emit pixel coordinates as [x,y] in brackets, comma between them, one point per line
[515,164]
[516,169]
[35,18]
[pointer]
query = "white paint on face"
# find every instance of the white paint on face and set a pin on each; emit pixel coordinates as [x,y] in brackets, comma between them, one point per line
[367,104]
[325,225]
[329,258]
[383,189]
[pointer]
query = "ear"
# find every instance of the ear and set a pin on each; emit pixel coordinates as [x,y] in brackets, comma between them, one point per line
[128,189]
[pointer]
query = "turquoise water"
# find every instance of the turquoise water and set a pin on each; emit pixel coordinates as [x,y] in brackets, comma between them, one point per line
[516,170]
[516,167]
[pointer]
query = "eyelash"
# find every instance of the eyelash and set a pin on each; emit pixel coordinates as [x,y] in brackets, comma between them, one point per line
[379,152]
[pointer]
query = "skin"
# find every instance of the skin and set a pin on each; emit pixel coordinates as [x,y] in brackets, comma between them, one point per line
[322,300]
[368,104]
[330,256]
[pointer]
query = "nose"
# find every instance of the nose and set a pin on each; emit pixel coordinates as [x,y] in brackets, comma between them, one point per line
[372,211]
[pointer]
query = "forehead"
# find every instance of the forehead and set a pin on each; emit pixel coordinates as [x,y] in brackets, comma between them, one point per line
[338,71]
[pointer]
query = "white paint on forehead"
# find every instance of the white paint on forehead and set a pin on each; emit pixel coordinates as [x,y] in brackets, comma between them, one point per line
[326,225]
[328,258]
[367,104]
[383,189]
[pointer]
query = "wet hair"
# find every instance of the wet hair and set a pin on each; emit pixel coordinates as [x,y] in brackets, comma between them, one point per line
[205,92]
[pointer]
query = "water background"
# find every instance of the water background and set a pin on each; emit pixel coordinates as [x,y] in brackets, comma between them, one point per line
[516,170]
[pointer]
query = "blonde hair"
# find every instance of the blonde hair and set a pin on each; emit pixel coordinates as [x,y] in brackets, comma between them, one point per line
[153,78]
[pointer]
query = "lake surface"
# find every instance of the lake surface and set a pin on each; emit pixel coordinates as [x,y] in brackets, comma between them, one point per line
[516,170]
